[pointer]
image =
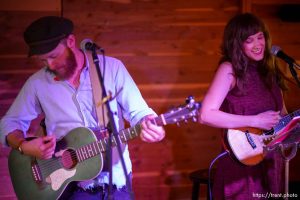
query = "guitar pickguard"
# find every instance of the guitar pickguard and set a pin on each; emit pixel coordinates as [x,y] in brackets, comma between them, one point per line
[58,177]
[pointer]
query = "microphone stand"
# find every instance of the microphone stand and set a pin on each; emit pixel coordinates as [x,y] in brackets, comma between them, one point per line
[113,132]
[288,148]
[288,152]
[294,73]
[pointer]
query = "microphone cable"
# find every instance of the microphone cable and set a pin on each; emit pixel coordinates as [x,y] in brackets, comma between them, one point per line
[209,171]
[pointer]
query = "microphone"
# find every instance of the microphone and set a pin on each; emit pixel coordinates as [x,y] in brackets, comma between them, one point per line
[89,45]
[276,51]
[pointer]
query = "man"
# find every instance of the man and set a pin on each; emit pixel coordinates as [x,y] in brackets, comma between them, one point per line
[62,91]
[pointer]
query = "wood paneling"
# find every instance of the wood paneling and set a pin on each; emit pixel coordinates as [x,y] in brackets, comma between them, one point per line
[31,5]
[171,49]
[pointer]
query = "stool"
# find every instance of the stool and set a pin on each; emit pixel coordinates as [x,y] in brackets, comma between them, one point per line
[201,177]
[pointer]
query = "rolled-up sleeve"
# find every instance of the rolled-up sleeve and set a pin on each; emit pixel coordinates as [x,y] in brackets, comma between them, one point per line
[133,104]
[19,116]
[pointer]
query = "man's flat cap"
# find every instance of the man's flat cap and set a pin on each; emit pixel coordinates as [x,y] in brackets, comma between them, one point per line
[44,34]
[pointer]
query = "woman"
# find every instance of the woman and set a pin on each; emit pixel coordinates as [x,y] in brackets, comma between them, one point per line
[246,92]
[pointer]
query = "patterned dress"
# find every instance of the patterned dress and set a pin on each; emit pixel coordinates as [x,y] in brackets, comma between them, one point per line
[234,180]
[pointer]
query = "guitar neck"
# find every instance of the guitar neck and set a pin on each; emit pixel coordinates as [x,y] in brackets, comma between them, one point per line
[97,147]
[132,132]
[175,116]
[285,120]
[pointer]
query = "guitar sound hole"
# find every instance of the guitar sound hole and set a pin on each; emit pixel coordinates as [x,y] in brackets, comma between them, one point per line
[69,159]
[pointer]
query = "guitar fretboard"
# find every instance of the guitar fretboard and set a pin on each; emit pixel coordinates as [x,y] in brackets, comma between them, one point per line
[175,116]
[285,120]
[95,148]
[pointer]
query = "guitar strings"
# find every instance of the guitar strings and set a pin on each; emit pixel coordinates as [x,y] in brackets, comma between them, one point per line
[58,162]
[284,119]
[55,163]
[48,166]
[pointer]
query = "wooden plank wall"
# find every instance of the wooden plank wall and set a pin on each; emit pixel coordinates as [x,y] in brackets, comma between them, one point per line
[171,48]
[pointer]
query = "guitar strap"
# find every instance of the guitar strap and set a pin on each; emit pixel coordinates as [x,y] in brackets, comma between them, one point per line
[101,110]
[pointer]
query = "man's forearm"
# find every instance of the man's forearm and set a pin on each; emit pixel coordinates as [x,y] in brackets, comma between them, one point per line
[15,139]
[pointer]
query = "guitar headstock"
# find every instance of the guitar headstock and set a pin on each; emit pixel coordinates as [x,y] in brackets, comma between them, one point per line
[182,113]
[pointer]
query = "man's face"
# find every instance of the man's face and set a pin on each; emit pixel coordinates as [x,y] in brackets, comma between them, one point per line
[61,61]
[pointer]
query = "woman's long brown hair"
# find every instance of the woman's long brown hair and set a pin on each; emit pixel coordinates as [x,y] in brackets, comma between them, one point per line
[238,29]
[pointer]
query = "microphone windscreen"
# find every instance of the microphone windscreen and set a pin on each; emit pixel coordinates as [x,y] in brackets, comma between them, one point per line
[84,42]
[275,49]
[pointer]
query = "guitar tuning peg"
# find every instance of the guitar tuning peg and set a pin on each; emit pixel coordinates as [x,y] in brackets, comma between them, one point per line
[194,119]
[189,99]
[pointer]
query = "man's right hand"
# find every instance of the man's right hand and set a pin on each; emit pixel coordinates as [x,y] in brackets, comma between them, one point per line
[41,147]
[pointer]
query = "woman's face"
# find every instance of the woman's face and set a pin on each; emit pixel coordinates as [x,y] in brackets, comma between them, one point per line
[254,46]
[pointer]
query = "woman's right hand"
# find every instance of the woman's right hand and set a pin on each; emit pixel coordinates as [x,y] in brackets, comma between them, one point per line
[267,120]
[41,147]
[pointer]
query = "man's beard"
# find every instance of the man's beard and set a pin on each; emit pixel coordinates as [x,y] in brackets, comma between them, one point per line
[67,69]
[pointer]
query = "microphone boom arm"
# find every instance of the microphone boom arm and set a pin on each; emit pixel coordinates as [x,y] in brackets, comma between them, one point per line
[294,73]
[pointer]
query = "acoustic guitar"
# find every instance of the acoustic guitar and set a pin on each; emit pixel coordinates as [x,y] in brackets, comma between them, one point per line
[249,145]
[78,157]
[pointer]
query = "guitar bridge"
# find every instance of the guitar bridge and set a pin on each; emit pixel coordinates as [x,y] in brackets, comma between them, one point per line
[36,172]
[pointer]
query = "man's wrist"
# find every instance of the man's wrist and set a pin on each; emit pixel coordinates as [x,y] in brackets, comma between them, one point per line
[19,148]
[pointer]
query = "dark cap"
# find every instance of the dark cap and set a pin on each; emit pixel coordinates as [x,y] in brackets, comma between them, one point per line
[44,34]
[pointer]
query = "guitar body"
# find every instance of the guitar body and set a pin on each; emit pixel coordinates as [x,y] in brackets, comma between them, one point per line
[248,144]
[247,152]
[54,174]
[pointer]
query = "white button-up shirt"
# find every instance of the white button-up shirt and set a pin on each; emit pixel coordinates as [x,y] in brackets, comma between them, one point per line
[66,107]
